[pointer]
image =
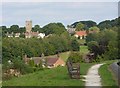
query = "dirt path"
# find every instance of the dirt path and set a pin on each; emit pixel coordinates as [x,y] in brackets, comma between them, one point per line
[92,78]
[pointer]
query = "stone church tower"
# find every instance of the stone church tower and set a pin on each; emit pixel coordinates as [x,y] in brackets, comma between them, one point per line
[28,26]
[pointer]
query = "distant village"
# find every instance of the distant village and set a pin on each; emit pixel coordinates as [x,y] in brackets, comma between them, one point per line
[28,34]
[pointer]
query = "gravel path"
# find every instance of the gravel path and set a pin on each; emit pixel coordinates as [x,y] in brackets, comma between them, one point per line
[92,78]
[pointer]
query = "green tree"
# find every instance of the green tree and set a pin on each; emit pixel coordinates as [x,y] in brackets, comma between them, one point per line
[75,45]
[94,28]
[54,28]
[79,26]
[36,28]
[14,28]
[75,57]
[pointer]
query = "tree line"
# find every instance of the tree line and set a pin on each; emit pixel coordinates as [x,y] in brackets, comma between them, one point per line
[34,47]
[51,28]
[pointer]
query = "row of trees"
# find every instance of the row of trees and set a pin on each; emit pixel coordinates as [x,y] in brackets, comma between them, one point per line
[51,28]
[87,25]
[32,47]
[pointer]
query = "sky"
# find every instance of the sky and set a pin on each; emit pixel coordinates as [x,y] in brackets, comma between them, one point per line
[42,13]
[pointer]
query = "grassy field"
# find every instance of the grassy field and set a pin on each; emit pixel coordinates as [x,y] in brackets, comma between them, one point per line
[84,49]
[64,55]
[107,77]
[49,77]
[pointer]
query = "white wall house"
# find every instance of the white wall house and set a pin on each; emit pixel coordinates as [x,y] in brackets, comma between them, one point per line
[41,35]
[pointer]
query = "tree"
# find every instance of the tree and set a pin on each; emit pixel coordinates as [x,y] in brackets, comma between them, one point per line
[75,57]
[14,28]
[93,47]
[79,26]
[94,28]
[54,28]
[36,28]
[75,45]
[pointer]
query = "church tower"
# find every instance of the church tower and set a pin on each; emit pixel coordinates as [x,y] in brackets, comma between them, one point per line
[28,26]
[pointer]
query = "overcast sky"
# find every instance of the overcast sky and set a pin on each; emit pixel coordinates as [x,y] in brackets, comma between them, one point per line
[42,13]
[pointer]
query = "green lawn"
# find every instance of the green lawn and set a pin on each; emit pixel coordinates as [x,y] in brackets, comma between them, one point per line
[84,49]
[49,77]
[107,77]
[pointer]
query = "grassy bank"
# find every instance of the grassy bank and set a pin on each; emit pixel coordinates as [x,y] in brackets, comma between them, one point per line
[107,77]
[49,77]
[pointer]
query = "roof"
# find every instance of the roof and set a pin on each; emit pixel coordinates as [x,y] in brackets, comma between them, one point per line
[81,33]
[51,61]
[36,59]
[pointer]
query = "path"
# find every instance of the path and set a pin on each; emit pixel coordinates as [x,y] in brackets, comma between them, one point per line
[92,78]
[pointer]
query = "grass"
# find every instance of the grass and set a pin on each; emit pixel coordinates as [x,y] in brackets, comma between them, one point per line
[49,77]
[64,55]
[84,49]
[107,77]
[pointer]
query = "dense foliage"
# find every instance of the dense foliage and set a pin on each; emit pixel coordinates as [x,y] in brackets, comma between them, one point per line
[33,47]
[87,24]
[75,57]
[54,28]
[104,43]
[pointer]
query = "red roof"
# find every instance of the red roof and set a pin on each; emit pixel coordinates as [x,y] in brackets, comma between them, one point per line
[81,33]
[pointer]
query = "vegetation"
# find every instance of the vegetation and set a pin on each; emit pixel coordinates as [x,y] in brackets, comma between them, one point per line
[50,77]
[87,24]
[102,43]
[75,57]
[54,28]
[33,47]
[79,26]
[106,75]
[84,50]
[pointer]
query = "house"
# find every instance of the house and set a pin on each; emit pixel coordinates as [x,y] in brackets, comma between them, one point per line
[50,62]
[41,35]
[55,62]
[17,34]
[71,30]
[81,34]
[36,60]
[9,35]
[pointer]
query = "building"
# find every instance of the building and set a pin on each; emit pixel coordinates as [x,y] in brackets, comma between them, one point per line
[81,34]
[71,30]
[28,26]
[41,35]
[29,33]
[49,62]
[55,62]
[17,34]
[9,35]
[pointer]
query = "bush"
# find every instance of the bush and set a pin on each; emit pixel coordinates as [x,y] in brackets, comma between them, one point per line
[75,45]
[75,57]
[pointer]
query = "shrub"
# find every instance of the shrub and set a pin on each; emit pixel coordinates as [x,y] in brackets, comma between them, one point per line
[76,57]
[75,45]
